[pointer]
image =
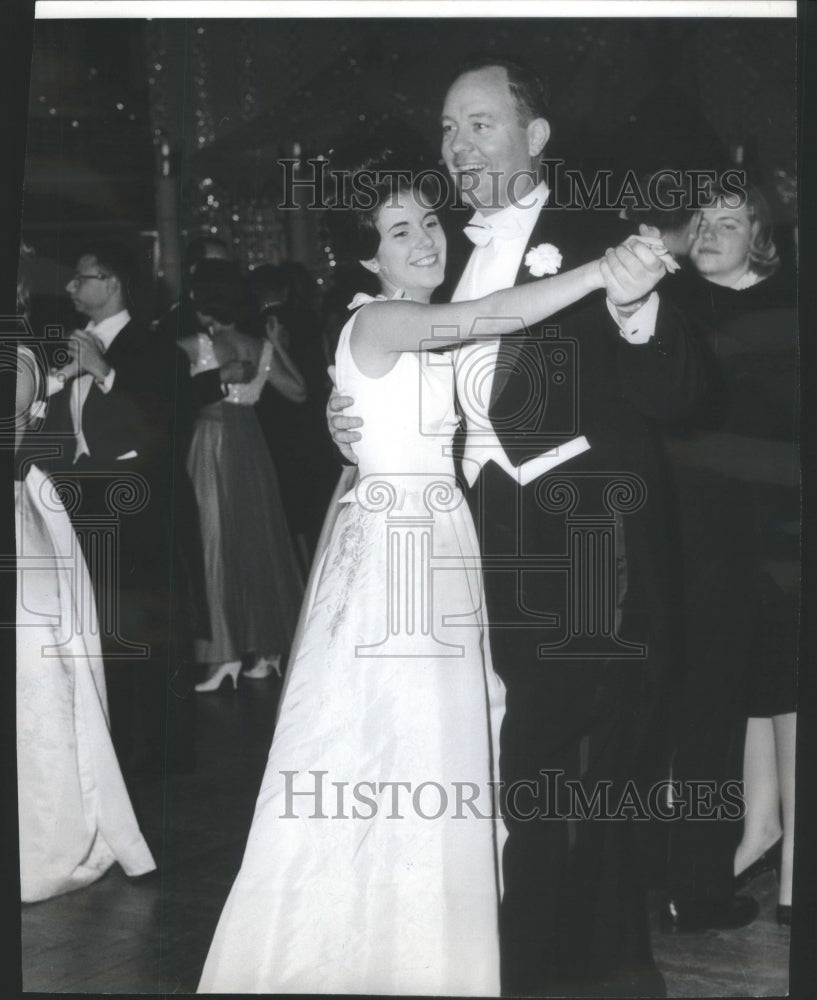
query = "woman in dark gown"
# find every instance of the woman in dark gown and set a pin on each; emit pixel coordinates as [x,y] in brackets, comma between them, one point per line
[254,583]
[737,479]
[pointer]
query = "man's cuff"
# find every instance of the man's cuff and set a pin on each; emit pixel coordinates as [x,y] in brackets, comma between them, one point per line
[54,383]
[638,328]
[106,384]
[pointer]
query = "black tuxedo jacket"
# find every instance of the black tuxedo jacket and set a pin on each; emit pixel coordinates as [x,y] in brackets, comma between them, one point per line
[130,420]
[576,375]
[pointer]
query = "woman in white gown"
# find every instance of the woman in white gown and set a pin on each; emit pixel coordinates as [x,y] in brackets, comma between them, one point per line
[372,861]
[75,816]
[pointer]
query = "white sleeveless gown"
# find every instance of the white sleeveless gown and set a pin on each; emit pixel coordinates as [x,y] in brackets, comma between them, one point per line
[336,893]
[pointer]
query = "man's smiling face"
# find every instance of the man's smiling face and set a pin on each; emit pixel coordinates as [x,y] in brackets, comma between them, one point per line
[484,145]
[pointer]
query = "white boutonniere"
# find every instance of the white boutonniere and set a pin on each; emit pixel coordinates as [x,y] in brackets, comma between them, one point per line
[542,260]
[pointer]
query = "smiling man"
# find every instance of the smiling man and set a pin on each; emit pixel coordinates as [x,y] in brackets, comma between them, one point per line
[573,913]
[489,145]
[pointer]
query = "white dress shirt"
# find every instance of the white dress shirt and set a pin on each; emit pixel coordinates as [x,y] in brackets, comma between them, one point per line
[490,268]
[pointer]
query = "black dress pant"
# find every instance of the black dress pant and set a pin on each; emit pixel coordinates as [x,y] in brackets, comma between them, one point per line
[143,630]
[573,918]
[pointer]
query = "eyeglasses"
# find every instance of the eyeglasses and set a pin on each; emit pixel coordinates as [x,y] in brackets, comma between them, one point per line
[77,279]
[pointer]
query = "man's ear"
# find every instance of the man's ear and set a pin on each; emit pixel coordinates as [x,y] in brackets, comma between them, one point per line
[538,134]
[371,265]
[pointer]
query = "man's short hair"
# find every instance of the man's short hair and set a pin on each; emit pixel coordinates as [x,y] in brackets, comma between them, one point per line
[115,259]
[527,87]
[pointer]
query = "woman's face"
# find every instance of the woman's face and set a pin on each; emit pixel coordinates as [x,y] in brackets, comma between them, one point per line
[720,251]
[411,255]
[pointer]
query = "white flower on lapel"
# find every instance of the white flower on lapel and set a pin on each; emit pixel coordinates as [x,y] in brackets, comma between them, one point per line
[543,259]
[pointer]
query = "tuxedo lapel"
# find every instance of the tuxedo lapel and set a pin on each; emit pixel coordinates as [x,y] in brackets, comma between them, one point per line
[561,229]
[548,229]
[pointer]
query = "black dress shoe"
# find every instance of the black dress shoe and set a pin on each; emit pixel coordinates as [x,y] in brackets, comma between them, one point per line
[783,916]
[735,912]
[769,860]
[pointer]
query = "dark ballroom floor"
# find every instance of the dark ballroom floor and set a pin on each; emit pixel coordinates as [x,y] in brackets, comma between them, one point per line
[152,936]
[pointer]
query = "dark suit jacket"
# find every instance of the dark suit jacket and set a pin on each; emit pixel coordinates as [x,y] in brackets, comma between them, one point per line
[129,418]
[576,375]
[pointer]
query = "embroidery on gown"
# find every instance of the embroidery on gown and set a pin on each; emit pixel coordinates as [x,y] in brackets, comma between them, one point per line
[355,541]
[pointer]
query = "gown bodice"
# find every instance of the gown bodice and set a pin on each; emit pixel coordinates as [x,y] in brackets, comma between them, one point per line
[408,414]
[238,393]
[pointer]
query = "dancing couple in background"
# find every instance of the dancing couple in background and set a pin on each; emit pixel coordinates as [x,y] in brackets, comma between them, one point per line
[251,574]
[332,898]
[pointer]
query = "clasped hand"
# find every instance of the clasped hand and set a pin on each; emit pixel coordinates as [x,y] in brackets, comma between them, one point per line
[85,356]
[631,270]
[237,371]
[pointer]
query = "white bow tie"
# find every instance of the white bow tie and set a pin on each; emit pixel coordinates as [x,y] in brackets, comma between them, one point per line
[481,231]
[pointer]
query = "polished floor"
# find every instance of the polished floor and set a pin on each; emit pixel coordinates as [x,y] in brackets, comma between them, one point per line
[152,937]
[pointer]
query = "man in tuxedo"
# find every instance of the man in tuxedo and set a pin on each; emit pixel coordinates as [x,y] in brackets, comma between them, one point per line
[111,419]
[579,632]
[573,561]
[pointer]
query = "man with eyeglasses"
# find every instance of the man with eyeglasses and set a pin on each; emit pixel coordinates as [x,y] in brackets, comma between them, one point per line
[111,413]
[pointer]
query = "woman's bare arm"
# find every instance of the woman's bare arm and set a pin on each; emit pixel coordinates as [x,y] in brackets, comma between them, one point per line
[398,325]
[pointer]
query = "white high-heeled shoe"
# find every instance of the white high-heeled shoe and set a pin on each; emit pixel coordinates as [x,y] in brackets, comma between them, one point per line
[213,683]
[263,667]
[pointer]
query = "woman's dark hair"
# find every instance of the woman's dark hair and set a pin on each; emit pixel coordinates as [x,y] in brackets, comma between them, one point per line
[353,223]
[287,286]
[527,87]
[376,165]
[218,289]
[196,251]
[300,288]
